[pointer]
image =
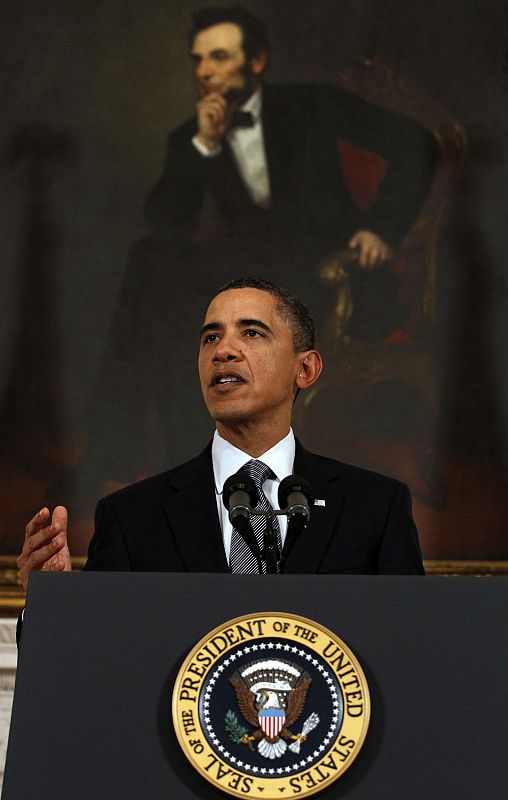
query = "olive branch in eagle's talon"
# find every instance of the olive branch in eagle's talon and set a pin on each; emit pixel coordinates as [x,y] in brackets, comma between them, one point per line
[236,732]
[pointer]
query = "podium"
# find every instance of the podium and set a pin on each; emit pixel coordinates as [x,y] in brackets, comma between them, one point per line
[100,653]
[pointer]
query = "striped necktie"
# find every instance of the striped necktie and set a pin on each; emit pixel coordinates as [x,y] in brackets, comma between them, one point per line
[242,560]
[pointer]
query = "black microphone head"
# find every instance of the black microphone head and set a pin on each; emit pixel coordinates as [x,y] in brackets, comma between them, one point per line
[294,483]
[243,482]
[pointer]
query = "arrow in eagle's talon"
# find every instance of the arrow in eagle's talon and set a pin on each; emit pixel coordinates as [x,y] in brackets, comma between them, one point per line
[247,740]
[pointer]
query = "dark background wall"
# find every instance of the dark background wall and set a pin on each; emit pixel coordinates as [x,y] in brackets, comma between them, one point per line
[90,91]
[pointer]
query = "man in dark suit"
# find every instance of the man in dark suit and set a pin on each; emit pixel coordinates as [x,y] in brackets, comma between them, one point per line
[256,177]
[256,353]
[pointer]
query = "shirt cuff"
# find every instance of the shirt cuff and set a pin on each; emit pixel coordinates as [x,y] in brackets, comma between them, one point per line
[201,148]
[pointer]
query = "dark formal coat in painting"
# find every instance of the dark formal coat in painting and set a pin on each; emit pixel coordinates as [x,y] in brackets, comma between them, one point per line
[312,210]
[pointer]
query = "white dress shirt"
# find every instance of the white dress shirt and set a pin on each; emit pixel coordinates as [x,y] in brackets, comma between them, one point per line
[228,459]
[248,148]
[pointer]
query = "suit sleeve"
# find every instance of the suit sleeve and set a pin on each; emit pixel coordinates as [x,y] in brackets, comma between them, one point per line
[107,549]
[410,151]
[399,549]
[174,203]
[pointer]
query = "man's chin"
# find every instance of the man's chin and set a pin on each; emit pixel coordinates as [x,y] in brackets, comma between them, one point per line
[229,417]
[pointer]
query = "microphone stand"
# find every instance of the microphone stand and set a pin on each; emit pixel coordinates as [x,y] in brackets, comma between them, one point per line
[240,495]
[270,554]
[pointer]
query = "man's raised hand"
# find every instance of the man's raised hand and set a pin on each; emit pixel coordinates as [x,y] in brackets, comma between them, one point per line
[45,546]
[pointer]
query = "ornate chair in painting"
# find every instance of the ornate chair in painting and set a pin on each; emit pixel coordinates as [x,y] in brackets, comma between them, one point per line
[384,389]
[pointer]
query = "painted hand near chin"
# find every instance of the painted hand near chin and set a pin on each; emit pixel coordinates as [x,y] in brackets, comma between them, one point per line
[213,119]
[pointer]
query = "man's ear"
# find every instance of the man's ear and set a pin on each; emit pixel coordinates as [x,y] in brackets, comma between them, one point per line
[309,369]
[259,63]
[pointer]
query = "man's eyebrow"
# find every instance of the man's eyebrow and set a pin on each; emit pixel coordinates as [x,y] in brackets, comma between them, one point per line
[242,323]
[218,52]
[210,326]
[247,323]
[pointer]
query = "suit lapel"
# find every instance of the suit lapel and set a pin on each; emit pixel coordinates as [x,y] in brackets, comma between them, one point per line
[227,185]
[283,130]
[309,549]
[191,509]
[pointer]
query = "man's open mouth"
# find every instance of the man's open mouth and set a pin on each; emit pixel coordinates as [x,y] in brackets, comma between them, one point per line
[223,379]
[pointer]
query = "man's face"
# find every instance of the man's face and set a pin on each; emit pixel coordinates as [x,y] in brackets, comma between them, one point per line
[247,362]
[220,64]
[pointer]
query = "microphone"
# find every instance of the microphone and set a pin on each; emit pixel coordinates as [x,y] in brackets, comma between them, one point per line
[240,495]
[295,496]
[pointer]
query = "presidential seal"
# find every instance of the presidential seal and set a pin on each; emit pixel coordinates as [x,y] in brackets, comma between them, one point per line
[271,705]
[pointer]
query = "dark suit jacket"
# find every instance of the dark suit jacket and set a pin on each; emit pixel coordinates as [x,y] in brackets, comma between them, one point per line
[170,523]
[309,191]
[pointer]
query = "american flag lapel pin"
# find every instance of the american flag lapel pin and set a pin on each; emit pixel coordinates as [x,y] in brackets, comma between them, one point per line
[321,503]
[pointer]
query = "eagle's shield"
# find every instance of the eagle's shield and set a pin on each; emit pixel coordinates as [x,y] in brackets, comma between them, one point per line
[271,721]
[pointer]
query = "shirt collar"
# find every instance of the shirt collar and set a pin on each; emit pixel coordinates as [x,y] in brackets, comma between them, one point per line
[228,459]
[254,104]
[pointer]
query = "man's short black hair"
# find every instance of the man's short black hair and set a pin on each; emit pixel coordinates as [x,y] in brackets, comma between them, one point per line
[294,313]
[254,38]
